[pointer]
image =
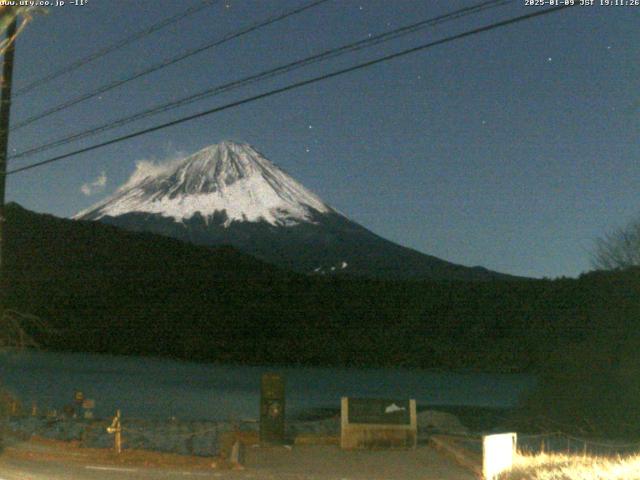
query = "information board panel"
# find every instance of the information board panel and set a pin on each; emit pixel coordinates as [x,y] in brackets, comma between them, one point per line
[378,423]
[379,411]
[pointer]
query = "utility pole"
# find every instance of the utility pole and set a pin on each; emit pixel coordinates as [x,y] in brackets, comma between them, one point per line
[5,108]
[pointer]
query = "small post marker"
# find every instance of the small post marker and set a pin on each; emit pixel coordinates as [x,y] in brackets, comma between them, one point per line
[236,458]
[116,428]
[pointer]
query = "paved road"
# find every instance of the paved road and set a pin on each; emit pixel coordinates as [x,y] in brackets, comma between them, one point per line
[16,469]
[298,463]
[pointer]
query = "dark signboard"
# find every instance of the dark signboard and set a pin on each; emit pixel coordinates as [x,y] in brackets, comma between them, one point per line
[379,411]
[272,408]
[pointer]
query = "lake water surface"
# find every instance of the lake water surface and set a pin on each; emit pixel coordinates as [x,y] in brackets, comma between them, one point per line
[159,388]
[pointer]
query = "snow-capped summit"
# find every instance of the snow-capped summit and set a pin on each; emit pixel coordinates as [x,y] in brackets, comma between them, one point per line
[229,194]
[228,178]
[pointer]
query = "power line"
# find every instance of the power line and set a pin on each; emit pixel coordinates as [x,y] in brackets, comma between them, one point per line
[165,63]
[115,46]
[325,55]
[293,86]
[264,75]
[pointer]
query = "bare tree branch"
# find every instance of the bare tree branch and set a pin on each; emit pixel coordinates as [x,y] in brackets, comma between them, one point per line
[619,249]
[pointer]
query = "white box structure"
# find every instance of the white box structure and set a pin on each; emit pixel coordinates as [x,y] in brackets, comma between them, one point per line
[498,452]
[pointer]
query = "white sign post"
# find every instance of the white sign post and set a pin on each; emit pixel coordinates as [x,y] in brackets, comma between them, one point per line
[498,452]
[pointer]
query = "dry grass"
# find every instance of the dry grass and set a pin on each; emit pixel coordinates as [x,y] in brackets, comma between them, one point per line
[549,466]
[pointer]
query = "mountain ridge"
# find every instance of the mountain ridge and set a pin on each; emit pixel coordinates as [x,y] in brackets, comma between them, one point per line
[231,194]
[105,289]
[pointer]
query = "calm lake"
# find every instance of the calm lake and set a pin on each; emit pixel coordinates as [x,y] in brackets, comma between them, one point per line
[158,388]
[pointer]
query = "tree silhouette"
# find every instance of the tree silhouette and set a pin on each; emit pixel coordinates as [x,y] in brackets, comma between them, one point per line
[619,249]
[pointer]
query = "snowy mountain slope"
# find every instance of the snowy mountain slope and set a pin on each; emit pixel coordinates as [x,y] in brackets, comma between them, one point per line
[231,194]
[228,177]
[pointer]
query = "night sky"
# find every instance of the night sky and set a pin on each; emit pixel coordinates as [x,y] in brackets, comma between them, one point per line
[512,149]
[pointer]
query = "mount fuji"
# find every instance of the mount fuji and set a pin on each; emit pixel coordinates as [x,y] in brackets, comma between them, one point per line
[230,194]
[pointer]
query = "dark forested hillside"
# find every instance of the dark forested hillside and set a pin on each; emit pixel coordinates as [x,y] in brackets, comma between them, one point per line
[102,289]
